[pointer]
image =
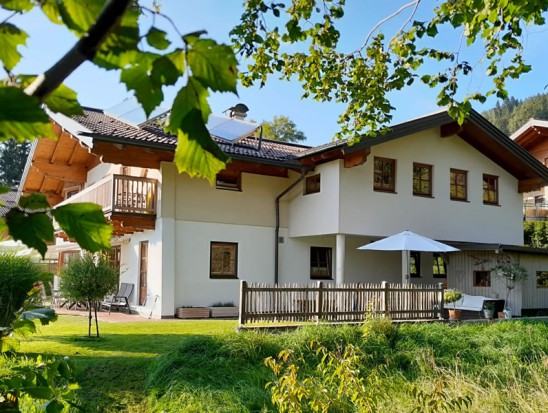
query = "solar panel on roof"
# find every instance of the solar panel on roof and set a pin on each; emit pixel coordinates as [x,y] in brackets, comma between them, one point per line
[131,111]
[230,129]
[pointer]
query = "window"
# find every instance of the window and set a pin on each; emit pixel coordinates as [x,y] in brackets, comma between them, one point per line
[223,260]
[439,268]
[490,189]
[459,185]
[415,264]
[384,175]
[321,263]
[114,258]
[66,257]
[229,182]
[422,179]
[312,184]
[482,278]
[542,279]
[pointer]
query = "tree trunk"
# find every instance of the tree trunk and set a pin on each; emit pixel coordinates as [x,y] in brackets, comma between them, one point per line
[96,319]
[89,318]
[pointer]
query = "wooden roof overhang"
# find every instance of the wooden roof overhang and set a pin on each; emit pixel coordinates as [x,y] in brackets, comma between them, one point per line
[150,155]
[55,164]
[476,131]
[532,135]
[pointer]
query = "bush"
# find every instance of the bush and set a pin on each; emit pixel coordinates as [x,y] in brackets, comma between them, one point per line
[18,275]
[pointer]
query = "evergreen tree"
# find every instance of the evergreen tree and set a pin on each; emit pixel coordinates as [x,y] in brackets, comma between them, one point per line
[512,114]
[13,156]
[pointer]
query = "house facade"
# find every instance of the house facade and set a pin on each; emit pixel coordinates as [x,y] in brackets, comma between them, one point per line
[286,213]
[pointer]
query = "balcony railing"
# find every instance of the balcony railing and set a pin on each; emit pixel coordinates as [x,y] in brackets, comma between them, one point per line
[535,211]
[120,194]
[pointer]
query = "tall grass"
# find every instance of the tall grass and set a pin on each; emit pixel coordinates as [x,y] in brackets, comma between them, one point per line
[502,367]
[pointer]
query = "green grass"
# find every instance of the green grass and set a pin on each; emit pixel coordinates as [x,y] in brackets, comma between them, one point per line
[204,366]
[112,370]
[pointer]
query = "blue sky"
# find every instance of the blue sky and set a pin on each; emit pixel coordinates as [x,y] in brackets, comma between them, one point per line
[99,88]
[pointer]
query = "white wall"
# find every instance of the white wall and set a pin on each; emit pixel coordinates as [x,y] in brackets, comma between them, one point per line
[365,211]
[316,214]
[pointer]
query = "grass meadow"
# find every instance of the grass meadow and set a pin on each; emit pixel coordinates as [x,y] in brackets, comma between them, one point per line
[205,366]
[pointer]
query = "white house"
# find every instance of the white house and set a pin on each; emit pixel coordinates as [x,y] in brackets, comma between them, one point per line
[290,213]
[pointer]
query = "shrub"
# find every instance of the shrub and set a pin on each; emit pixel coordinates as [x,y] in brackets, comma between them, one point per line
[18,275]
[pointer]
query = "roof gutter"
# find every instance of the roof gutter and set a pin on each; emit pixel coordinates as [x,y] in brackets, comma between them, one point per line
[304,172]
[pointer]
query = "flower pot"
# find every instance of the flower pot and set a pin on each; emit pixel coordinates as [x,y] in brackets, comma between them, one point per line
[489,314]
[454,314]
[507,313]
[501,315]
[192,312]
[224,312]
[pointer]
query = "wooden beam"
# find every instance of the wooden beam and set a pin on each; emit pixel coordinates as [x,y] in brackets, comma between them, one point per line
[74,173]
[73,153]
[450,129]
[140,222]
[356,158]
[132,155]
[529,185]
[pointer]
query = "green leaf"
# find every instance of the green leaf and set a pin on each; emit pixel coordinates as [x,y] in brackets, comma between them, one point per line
[39,393]
[45,315]
[63,100]
[31,229]
[11,37]
[164,72]
[157,39]
[85,223]
[192,96]
[33,202]
[51,9]
[177,57]
[21,116]
[192,158]
[214,65]
[54,406]
[17,5]
[137,78]
[78,16]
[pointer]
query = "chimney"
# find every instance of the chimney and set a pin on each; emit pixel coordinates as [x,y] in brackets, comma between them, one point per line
[239,111]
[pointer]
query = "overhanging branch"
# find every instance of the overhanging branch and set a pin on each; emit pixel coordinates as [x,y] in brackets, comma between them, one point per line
[84,49]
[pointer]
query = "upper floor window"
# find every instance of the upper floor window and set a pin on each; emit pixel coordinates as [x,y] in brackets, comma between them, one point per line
[459,185]
[490,189]
[321,263]
[384,175]
[422,179]
[312,184]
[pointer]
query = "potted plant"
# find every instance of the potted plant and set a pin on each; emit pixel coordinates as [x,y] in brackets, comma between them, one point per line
[224,309]
[513,274]
[451,296]
[489,310]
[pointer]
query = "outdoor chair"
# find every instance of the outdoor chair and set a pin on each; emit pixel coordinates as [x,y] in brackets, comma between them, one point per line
[120,299]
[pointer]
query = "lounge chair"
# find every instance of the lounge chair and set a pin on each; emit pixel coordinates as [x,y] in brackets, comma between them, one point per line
[120,299]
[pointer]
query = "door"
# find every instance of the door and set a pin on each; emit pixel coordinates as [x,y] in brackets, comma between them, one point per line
[143,272]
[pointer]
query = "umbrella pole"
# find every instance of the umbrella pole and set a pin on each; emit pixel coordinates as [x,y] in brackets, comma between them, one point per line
[405,268]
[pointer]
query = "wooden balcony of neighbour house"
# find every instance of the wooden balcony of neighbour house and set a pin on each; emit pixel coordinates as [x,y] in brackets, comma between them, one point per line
[129,202]
[535,211]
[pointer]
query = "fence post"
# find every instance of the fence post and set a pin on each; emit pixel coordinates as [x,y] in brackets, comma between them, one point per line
[241,315]
[319,302]
[385,299]
[442,304]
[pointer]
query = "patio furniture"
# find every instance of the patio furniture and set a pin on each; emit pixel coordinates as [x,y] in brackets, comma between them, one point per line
[475,303]
[120,299]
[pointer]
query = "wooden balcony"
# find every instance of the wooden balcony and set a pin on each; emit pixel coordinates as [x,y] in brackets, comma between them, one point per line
[129,202]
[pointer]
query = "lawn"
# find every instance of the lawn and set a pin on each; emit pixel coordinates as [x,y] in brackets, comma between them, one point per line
[204,366]
[112,370]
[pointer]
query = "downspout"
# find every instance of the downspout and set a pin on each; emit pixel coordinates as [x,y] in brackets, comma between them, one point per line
[304,172]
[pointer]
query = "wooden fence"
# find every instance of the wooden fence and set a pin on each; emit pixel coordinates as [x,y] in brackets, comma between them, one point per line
[327,302]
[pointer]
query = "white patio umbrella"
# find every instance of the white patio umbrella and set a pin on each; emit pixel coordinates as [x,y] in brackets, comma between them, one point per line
[407,241]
